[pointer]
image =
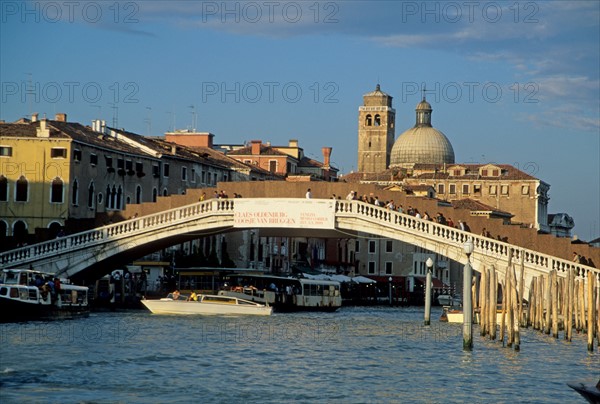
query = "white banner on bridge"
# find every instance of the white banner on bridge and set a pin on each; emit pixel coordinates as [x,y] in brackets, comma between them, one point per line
[294,213]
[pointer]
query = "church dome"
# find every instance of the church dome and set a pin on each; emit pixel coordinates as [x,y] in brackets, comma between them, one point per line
[422,143]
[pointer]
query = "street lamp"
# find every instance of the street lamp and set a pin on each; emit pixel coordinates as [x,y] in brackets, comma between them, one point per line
[467,300]
[390,283]
[429,264]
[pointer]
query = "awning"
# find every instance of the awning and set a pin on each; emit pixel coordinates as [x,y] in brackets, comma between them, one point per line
[435,282]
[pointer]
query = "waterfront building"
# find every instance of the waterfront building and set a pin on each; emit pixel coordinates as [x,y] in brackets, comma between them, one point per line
[54,173]
[57,175]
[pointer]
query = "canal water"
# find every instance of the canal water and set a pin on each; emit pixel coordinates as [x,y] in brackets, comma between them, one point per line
[356,355]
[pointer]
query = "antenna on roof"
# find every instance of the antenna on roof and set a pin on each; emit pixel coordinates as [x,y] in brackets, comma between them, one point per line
[193,107]
[115,108]
[148,121]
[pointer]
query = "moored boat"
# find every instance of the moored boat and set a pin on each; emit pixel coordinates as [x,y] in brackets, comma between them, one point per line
[287,294]
[452,315]
[27,295]
[206,304]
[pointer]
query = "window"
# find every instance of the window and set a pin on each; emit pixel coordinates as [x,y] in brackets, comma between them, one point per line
[58,153]
[109,164]
[357,246]
[120,166]
[22,189]
[371,246]
[388,267]
[477,188]
[183,173]
[129,167]
[484,173]
[465,189]
[155,170]
[377,120]
[56,191]
[138,195]
[165,192]
[452,189]
[6,151]
[525,190]
[75,194]
[154,194]
[91,192]
[368,120]
[495,173]
[441,188]
[3,189]
[504,189]
[273,166]
[193,175]
[139,168]
[76,155]
[371,267]
[389,246]
[93,159]
[118,202]
[493,189]
[165,170]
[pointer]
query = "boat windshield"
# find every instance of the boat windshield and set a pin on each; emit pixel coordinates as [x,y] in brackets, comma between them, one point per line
[180,297]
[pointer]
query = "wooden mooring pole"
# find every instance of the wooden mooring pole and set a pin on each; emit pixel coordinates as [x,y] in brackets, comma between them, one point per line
[591,300]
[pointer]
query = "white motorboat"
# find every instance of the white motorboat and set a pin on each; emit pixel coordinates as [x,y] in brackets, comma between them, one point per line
[207,304]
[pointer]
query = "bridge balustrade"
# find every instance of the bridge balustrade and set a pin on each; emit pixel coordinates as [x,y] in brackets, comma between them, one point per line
[483,246]
[485,249]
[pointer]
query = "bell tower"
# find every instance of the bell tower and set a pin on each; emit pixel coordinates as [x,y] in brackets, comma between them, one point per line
[376,131]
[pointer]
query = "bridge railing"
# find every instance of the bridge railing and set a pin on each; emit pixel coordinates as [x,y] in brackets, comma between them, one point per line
[114,231]
[491,250]
[484,247]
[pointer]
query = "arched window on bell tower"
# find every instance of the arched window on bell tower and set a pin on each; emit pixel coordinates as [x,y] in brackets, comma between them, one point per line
[368,120]
[377,120]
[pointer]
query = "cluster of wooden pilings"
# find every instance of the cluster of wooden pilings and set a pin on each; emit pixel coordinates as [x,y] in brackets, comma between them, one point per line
[554,304]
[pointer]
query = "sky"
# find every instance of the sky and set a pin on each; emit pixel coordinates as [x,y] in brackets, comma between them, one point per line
[510,82]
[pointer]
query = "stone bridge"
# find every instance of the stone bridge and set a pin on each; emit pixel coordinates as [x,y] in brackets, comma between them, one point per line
[81,256]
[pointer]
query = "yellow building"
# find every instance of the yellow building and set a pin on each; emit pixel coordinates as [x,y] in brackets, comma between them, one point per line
[35,175]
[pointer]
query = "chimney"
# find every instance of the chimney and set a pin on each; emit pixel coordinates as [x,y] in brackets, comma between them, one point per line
[34,117]
[43,130]
[60,117]
[173,149]
[293,143]
[326,155]
[256,147]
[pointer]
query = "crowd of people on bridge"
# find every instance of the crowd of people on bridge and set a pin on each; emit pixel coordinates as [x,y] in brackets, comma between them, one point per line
[398,207]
